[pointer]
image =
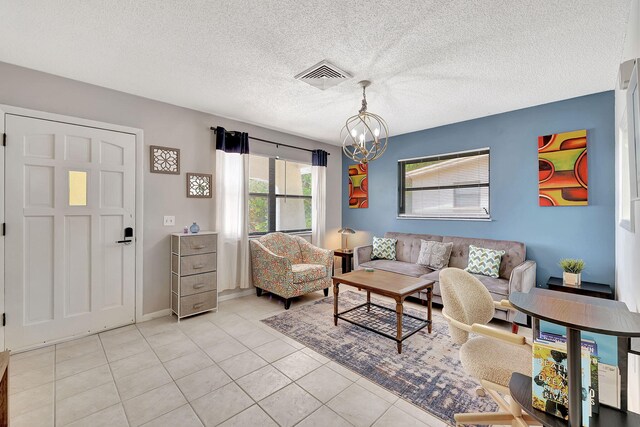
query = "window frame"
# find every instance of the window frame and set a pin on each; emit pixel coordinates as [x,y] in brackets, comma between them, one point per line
[272,198]
[402,189]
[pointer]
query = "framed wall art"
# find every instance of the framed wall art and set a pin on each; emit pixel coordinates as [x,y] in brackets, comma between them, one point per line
[358,186]
[562,169]
[199,185]
[165,160]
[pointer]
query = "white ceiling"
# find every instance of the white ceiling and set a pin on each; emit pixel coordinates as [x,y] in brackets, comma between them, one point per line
[431,62]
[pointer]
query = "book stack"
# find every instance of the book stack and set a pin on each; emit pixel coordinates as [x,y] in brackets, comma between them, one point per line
[600,381]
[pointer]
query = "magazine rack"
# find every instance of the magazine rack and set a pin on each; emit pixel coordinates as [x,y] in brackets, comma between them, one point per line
[578,313]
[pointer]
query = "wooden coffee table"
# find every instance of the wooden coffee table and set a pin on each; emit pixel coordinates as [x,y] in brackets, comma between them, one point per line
[392,285]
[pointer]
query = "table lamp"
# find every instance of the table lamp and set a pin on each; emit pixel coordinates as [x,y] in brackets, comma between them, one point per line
[345,232]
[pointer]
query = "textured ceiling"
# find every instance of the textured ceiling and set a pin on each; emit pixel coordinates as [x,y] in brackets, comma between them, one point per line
[431,62]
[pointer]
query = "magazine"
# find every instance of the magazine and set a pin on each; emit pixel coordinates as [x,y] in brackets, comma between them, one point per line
[592,348]
[550,385]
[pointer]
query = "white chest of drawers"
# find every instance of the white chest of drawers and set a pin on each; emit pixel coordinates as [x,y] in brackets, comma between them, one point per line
[194,286]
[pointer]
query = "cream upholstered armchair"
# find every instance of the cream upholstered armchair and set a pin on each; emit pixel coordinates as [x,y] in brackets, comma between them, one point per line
[490,357]
[289,266]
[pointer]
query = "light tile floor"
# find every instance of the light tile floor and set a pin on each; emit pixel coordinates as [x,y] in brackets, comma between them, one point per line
[225,368]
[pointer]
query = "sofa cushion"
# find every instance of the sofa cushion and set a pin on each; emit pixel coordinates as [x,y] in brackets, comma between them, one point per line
[406,268]
[495,285]
[408,246]
[303,273]
[433,275]
[384,248]
[515,252]
[434,254]
[484,261]
[498,287]
[283,245]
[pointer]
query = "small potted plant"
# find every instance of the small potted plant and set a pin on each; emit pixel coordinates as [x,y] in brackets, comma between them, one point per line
[572,269]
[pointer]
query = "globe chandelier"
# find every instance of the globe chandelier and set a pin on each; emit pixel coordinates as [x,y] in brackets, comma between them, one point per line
[364,136]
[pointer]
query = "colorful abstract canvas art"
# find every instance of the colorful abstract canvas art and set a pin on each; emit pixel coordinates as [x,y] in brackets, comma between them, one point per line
[358,187]
[562,169]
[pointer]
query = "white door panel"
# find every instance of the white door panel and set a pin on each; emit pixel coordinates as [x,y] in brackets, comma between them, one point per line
[70,192]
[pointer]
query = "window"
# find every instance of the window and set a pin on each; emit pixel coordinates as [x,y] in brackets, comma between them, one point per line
[454,185]
[77,188]
[279,195]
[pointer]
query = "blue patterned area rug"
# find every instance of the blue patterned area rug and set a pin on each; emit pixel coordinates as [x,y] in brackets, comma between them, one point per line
[428,373]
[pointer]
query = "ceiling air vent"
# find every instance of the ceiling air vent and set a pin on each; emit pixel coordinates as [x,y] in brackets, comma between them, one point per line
[323,75]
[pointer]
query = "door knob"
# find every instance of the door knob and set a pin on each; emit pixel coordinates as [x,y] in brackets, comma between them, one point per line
[128,233]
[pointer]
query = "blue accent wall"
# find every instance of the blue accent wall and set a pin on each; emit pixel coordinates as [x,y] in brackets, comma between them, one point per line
[550,233]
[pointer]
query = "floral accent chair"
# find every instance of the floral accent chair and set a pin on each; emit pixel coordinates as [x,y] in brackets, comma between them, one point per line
[289,266]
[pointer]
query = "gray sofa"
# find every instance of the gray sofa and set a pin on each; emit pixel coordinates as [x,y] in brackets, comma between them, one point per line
[517,274]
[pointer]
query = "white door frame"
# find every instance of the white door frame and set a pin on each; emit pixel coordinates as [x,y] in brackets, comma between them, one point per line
[139,150]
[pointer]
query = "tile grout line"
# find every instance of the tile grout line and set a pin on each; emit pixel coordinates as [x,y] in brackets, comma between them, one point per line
[172,379]
[92,388]
[385,411]
[114,382]
[326,406]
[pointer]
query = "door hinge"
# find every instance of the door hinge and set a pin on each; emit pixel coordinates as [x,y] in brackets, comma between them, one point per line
[4,228]
[4,139]
[4,319]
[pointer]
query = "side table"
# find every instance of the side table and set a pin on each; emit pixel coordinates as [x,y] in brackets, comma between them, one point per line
[590,289]
[347,257]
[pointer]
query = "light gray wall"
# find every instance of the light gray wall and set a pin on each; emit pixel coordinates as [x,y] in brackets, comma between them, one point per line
[167,125]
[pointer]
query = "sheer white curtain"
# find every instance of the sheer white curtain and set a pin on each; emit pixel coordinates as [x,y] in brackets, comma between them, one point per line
[231,215]
[319,197]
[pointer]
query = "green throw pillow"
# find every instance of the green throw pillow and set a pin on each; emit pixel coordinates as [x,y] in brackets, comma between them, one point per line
[384,248]
[484,261]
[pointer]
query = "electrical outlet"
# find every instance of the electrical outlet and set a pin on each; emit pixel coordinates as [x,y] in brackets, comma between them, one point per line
[169,221]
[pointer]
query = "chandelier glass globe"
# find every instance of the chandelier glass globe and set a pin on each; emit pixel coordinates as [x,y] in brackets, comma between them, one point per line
[364,136]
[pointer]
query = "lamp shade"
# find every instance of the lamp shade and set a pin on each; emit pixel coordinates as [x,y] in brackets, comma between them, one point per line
[347,230]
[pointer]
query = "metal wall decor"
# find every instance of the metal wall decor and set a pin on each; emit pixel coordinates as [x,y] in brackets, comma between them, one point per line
[165,160]
[364,136]
[199,185]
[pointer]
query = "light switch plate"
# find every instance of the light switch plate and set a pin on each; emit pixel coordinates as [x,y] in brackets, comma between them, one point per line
[169,221]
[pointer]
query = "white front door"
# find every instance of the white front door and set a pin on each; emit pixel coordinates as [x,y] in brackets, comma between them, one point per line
[69,195]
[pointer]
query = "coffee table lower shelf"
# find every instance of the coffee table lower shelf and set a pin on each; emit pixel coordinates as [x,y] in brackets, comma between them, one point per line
[373,314]
[520,387]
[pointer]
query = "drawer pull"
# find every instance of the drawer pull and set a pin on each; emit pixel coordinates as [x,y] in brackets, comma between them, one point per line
[198,286]
[198,305]
[198,266]
[199,246]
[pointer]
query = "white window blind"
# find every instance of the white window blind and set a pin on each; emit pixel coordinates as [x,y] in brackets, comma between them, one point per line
[453,185]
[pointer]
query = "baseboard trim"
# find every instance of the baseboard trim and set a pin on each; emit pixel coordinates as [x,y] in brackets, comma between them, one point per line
[167,311]
[154,315]
[235,295]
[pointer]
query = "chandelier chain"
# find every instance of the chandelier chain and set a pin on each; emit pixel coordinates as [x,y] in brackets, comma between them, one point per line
[363,109]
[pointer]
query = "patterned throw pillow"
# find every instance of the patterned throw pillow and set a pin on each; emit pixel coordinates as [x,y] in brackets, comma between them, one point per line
[434,255]
[384,248]
[484,261]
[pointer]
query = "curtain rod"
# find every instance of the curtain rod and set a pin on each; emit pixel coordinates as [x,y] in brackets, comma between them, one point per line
[277,144]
